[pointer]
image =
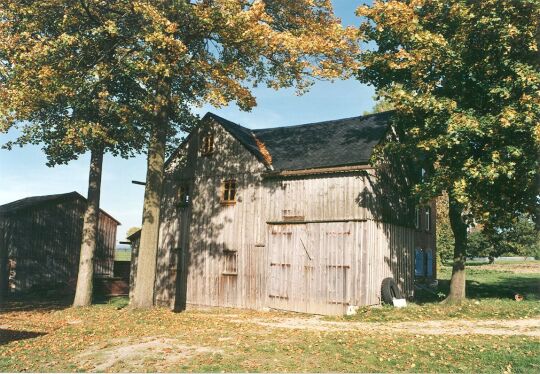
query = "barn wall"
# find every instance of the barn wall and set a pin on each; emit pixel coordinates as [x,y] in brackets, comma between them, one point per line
[43,244]
[326,267]
[198,242]
[197,251]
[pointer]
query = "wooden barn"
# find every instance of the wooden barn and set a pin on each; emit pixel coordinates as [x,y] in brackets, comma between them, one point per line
[291,218]
[40,240]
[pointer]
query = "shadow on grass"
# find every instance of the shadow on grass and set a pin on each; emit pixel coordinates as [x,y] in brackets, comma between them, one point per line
[8,336]
[43,303]
[27,303]
[499,285]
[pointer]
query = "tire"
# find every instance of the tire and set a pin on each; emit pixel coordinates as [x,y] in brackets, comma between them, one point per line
[390,291]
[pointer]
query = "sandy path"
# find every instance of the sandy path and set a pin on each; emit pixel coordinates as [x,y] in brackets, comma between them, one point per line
[527,327]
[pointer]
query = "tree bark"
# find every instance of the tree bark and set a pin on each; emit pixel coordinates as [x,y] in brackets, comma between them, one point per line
[143,294]
[85,278]
[459,228]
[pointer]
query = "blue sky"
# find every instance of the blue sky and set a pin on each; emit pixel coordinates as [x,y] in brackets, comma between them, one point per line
[23,171]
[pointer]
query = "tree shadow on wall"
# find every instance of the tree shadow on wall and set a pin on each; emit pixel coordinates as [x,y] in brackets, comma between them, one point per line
[388,197]
[209,240]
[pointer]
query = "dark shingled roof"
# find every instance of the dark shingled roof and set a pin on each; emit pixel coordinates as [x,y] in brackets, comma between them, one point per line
[33,201]
[348,141]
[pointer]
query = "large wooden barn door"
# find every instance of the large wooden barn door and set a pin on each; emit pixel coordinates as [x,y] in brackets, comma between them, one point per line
[285,283]
[309,267]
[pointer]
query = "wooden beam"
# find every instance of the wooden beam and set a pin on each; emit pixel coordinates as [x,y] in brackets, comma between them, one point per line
[335,169]
[316,221]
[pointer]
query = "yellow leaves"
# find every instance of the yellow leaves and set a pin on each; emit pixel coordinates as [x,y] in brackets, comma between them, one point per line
[507,116]
[537,134]
[111,27]
[462,122]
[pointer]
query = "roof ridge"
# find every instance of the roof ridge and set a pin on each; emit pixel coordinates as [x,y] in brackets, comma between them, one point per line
[211,114]
[326,121]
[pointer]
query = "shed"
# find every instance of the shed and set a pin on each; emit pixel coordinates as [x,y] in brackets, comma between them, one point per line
[40,240]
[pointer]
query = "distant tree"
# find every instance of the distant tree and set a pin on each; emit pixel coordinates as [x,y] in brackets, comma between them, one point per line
[464,78]
[381,105]
[519,237]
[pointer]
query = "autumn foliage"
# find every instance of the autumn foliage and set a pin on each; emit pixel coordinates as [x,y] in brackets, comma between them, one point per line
[464,78]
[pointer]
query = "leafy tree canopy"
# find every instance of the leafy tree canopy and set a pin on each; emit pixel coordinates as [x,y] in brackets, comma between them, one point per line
[518,238]
[98,71]
[381,105]
[464,78]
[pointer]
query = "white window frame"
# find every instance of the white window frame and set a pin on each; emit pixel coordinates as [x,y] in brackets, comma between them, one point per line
[417,217]
[427,215]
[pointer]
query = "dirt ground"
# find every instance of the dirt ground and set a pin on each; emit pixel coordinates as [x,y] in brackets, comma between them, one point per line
[134,353]
[525,327]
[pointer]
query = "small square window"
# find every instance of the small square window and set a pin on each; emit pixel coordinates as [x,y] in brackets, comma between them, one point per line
[207,144]
[228,192]
[230,262]
[183,196]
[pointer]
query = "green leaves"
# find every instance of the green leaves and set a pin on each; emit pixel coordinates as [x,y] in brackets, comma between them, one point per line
[69,62]
[464,78]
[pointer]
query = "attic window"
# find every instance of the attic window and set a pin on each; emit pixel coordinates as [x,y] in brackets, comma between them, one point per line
[228,191]
[207,144]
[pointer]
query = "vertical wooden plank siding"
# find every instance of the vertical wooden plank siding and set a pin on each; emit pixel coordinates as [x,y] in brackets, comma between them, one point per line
[335,259]
[43,244]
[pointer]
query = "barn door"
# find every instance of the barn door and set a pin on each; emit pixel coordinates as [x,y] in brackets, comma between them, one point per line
[309,267]
[287,274]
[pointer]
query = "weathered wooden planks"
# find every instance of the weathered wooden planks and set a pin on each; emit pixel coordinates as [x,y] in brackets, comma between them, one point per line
[316,243]
[43,244]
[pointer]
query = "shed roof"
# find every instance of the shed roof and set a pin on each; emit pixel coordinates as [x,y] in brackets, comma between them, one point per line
[134,236]
[347,141]
[34,201]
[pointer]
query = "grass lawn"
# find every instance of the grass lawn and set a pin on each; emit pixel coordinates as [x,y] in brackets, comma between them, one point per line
[107,337]
[490,292]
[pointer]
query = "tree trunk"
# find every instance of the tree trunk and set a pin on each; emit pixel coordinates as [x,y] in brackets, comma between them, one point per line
[459,228]
[85,278]
[143,294]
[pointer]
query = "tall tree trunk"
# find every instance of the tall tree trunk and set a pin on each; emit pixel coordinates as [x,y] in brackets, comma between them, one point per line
[537,218]
[143,294]
[83,293]
[459,228]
